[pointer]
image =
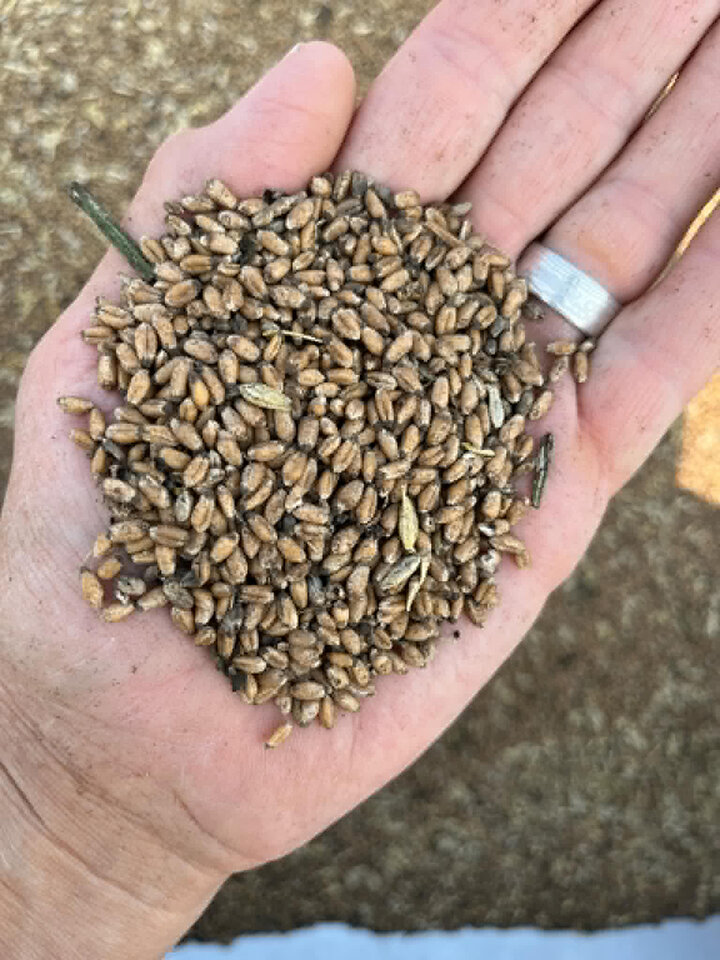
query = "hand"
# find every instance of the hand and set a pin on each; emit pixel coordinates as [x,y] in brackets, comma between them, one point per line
[503,104]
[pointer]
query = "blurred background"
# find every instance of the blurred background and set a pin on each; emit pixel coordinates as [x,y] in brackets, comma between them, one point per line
[582,788]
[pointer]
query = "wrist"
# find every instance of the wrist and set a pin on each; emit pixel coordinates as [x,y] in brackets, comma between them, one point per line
[81,877]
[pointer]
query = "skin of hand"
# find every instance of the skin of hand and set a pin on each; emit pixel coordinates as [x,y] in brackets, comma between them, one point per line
[133,780]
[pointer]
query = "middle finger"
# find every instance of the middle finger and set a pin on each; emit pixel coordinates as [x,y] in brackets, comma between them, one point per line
[439,102]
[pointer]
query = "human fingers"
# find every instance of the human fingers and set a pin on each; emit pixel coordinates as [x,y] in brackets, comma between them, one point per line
[640,379]
[578,113]
[626,226]
[622,232]
[654,357]
[441,99]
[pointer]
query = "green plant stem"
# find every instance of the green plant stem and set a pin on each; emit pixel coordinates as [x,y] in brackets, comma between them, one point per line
[121,240]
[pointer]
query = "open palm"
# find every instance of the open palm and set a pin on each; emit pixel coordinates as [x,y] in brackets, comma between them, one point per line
[530,110]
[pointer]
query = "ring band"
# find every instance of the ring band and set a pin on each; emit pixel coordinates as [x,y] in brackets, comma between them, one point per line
[584,302]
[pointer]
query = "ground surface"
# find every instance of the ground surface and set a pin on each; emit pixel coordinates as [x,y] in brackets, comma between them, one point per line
[582,789]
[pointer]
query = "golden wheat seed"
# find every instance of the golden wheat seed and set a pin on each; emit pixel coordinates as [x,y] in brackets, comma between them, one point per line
[115,612]
[561,348]
[92,589]
[279,735]
[581,366]
[408,526]
[263,396]
[75,405]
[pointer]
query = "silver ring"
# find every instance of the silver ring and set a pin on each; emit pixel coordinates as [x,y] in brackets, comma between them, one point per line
[584,302]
